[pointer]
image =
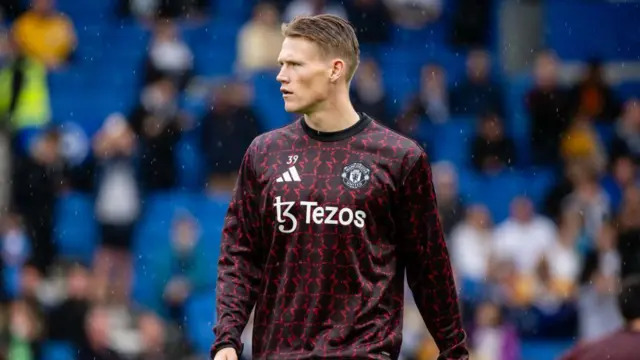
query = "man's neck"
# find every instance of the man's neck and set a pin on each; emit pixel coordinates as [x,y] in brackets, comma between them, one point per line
[333,117]
[634,325]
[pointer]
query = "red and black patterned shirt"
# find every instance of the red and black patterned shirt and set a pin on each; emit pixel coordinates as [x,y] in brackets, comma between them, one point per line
[319,233]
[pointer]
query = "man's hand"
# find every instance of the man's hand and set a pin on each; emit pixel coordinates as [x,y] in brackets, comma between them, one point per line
[226,354]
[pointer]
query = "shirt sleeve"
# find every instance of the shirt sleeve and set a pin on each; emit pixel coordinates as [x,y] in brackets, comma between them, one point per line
[428,267]
[240,265]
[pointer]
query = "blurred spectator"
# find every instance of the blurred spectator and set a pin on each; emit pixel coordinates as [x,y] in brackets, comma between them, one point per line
[246,338]
[97,327]
[471,251]
[541,299]
[581,142]
[471,23]
[227,131]
[409,121]
[314,7]
[589,199]
[434,95]
[413,330]
[24,93]
[431,101]
[31,285]
[477,93]
[592,97]
[16,250]
[260,39]
[155,337]
[626,141]
[574,172]
[117,206]
[597,307]
[547,104]
[25,331]
[621,344]
[10,9]
[450,205]
[181,269]
[158,124]
[45,34]
[371,19]
[491,150]
[24,106]
[169,56]
[152,336]
[492,338]
[368,93]
[148,10]
[629,232]
[36,178]
[623,175]
[562,259]
[67,319]
[524,238]
[414,14]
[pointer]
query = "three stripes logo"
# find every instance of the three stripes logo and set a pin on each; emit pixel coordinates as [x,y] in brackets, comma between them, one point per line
[290,175]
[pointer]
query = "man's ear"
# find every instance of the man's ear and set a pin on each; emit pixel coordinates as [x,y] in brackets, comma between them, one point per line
[338,69]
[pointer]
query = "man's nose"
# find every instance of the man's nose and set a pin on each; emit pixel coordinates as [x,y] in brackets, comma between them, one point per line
[281,77]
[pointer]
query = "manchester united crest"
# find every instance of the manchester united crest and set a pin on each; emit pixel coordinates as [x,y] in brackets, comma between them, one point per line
[355,175]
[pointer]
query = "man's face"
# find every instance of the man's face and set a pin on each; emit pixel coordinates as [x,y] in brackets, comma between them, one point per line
[42,6]
[304,75]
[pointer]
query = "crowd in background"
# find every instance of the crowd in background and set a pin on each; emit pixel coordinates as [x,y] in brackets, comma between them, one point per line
[550,270]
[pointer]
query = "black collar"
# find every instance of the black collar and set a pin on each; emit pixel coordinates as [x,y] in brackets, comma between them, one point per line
[352,130]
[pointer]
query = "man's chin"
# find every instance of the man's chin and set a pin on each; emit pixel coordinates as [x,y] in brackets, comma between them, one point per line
[290,108]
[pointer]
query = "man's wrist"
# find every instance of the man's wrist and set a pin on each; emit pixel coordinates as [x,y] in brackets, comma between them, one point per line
[218,347]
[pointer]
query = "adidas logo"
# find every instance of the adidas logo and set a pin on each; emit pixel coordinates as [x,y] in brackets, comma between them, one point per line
[290,175]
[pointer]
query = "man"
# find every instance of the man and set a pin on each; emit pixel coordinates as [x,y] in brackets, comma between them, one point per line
[327,215]
[623,344]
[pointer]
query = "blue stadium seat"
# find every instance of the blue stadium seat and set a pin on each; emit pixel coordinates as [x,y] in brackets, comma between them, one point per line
[154,227]
[211,211]
[628,89]
[191,171]
[606,133]
[75,227]
[239,10]
[401,71]
[452,140]
[544,350]
[88,12]
[497,191]
[538,182]
[517,119]
[268,101]
[570,29]
[54,350]
[200,317]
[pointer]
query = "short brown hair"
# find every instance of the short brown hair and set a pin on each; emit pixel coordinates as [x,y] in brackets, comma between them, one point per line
[334,36]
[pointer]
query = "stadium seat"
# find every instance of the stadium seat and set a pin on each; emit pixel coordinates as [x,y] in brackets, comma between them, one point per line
[75,227]
[628,89]
[606,133]
[268,101]
[496,191]
[452,140]
[54,350]
[154,228]
[543,350]
[191,172]
[200,317]
[569,29]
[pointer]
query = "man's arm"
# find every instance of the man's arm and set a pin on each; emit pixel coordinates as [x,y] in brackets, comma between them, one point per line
[240,264]
[424,251]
